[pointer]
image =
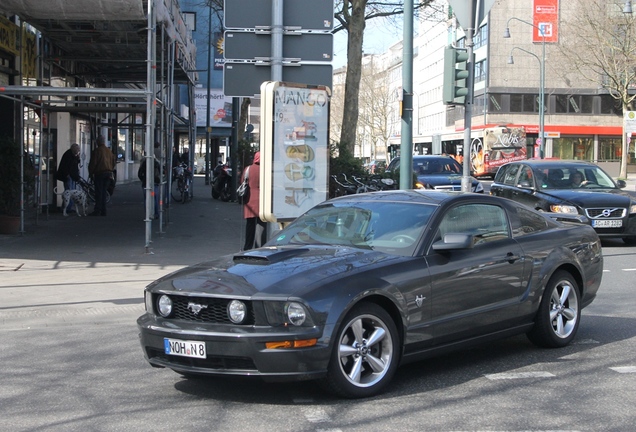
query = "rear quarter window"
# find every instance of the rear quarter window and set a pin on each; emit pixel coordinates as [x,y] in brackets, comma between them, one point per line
[529,222]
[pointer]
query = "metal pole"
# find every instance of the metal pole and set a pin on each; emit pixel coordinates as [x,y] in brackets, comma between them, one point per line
[277,41]
[468,111]
[207,111]
[542,101]
[406,142]
[541,81]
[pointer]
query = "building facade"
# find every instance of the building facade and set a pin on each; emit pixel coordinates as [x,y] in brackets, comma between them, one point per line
[581,119]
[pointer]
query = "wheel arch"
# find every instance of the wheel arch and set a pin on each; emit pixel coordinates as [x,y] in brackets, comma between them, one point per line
[391,308]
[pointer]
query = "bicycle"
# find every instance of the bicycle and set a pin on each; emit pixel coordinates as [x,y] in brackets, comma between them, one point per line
[181,182]
[89,189]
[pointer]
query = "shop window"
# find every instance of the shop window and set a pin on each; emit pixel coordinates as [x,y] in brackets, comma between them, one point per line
[609,105]
[516,103]
[494,103]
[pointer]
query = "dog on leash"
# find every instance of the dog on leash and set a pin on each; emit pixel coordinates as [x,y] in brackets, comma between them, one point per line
[79,198]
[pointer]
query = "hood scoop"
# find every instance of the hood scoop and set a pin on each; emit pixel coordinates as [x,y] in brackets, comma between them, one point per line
[266,256]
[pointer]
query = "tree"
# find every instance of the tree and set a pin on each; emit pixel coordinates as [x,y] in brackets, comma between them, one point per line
[379,105]
[599,41]
[352,16]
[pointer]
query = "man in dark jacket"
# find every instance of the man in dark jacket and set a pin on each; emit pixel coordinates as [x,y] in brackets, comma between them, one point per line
[68,170]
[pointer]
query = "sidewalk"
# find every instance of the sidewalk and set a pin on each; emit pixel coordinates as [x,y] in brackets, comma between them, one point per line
[196,231]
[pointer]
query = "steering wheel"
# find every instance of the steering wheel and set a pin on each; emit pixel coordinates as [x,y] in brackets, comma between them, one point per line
[403,238]
[588,183]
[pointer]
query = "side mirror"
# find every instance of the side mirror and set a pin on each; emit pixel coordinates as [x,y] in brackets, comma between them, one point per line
[452,241]
[621,184]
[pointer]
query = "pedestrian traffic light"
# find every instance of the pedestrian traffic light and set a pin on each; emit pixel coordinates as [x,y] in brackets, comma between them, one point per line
[455,76]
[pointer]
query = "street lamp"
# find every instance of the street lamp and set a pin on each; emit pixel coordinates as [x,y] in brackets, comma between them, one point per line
[541,80]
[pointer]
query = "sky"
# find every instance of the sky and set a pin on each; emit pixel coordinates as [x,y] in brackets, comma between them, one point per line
[378,37]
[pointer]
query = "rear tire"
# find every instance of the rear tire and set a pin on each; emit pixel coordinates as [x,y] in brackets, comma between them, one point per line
[559,313]
[365,354]
[176,191]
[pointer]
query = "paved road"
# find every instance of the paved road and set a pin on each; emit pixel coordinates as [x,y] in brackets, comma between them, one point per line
[72,288]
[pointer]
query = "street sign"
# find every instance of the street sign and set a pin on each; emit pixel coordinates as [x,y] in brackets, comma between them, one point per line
[306,14]
[245,79]
[462,9]
[301,46]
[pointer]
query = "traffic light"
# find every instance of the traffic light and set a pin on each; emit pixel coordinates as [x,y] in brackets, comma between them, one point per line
[455,76]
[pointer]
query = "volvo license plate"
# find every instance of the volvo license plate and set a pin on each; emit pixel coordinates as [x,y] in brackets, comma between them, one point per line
[607,223]
[183,348]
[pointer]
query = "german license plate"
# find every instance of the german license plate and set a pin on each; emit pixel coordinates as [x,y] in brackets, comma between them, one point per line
[607,223]
[183,348]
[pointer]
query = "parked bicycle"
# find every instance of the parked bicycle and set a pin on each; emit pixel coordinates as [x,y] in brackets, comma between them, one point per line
[357,185]
[181,183]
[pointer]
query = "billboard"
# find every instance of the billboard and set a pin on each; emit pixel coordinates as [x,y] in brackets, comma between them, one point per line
[545,17]
[220,108]
[294,149]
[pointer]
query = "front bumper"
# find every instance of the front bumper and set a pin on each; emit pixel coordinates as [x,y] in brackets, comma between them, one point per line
[627,230]
[233,350]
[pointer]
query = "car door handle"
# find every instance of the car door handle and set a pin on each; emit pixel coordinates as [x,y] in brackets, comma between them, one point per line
[511,258]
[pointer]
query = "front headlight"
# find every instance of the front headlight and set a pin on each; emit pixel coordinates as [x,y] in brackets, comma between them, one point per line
[287,313]
[236,311]
[562,208]
[632,209]
[164,305]
[296,313]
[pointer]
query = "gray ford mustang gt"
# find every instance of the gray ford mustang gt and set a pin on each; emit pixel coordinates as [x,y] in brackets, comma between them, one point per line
[361,284]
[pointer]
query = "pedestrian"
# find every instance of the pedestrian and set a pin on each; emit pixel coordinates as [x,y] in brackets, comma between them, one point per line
[141,173]
[185,157]
[68,171]
[101,167]
[255,228]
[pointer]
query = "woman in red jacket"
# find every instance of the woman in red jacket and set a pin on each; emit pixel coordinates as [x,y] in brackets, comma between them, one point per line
[255,228]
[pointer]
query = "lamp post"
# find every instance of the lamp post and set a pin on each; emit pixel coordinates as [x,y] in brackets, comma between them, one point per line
[541,80]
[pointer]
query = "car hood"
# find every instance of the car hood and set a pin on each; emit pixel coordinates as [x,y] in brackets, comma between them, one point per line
[443,179]
[288,271]
[592,197]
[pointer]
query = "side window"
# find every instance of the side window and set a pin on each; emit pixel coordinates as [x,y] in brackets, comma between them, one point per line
[526,179]
[485,222]
[530,222]
[511,175]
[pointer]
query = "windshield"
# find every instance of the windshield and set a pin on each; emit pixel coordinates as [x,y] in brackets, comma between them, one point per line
[390,227]
[572,177]
[436,166]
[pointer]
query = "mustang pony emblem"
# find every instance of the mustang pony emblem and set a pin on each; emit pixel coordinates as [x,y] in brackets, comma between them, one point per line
[419,300]
[196,308]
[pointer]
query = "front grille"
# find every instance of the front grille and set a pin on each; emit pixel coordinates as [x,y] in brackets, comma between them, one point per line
[214,310]
[605,213]
[449,187]
[211,362]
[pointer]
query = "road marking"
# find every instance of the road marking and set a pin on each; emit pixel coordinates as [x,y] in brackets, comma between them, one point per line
[519,375]
[316,414]
[624,369]
[585,342]
[634,269]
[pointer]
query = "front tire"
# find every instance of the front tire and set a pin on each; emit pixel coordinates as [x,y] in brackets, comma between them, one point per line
[365,355]
[559,314]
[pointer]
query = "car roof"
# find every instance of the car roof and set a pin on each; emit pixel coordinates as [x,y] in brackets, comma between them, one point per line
[555,163]
[421,196]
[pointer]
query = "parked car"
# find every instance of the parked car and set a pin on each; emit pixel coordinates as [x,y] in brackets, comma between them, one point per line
[549,185]
[437,172]
[363,283]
